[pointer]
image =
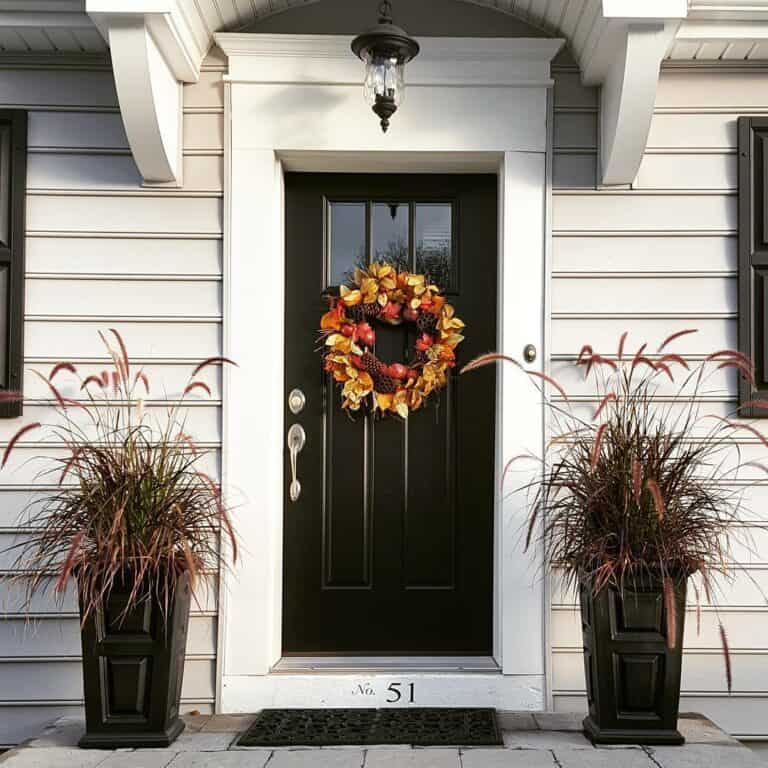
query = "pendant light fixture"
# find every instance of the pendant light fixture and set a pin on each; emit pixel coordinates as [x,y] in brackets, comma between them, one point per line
[385,50]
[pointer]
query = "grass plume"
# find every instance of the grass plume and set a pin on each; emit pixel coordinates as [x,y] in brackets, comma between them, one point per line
[132,505]
[642,490]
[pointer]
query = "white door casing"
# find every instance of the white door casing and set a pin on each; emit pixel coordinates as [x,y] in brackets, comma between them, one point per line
[296,103]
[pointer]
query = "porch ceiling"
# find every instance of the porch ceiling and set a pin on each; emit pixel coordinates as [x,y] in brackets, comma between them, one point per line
[47,26]
[618,44]
[713,29]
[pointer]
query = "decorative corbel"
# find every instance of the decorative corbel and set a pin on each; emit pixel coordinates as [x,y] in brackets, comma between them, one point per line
[627,99]
[625,60]
[153,53]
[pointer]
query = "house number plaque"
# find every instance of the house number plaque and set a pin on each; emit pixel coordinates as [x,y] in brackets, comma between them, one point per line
[394,693]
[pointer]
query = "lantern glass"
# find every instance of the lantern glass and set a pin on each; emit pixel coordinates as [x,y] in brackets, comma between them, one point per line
[384,79]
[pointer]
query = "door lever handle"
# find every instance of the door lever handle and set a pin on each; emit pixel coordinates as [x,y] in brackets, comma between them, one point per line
[297,437]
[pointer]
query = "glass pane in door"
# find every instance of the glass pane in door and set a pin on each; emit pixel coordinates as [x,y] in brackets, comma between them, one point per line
[346,241]
[434,241]
[391,237]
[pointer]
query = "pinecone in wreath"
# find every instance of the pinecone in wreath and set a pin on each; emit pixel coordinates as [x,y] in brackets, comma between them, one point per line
[386,385]
[371,311]
[426,322]
[356,313]
[372,364]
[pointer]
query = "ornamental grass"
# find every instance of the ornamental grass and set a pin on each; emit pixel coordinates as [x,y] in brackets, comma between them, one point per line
[132,506]
[641,482]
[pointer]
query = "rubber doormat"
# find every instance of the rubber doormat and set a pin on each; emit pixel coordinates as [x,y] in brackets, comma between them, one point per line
[422,727]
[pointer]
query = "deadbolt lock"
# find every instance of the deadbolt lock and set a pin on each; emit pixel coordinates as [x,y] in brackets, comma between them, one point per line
[296,401]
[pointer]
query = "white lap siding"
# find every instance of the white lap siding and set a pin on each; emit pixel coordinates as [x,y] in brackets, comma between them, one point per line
[102,251]
[649,260]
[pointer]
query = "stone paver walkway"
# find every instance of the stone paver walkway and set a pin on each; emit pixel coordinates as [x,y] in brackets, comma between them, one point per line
[538,740]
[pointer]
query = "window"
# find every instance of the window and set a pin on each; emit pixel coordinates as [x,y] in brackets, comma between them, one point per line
[411,235]
[13,183]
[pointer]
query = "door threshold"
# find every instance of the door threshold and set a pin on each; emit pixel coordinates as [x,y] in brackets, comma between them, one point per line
[379,664]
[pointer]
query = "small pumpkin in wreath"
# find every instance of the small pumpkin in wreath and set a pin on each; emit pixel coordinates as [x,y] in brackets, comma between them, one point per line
[382,294]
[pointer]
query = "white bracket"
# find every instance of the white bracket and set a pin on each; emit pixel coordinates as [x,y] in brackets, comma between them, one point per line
[625,59]
[627,99]
[153,53]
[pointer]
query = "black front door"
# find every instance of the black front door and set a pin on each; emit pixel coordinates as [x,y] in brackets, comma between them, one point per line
[388,549]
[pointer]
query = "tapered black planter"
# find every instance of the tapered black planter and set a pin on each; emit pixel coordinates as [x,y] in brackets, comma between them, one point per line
[133,671]
[632,676]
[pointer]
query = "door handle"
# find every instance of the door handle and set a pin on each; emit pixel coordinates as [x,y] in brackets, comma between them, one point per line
[297,437]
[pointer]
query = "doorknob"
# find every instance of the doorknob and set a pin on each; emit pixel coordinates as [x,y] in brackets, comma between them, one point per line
[297,437]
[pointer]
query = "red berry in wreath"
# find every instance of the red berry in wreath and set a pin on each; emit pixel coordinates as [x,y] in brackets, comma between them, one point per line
[410,315]
[357,361]
[347,330]
[424,342]
[391,311]
[365,334]
[398,371]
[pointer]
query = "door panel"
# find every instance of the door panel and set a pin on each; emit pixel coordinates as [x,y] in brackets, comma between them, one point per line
[388,550]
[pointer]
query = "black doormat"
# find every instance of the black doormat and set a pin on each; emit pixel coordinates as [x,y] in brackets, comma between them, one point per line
[421,727]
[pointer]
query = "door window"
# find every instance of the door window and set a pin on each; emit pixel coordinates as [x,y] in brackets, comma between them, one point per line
[412,236]
[346,240]
[391,235]
[434,243]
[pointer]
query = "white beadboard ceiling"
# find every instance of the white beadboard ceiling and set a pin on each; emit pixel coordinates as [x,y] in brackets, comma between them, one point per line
[718,50]
[47,26]
[715,29]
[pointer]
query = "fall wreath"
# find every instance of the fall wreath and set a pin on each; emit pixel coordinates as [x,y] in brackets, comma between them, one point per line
[381,293]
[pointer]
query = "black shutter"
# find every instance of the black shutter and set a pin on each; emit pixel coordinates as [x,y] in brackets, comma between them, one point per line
[13,185]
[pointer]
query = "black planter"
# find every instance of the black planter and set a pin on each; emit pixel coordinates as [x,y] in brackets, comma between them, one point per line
[632,676]
[133,671]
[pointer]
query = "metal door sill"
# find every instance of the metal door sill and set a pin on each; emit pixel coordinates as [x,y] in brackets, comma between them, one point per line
[382,664]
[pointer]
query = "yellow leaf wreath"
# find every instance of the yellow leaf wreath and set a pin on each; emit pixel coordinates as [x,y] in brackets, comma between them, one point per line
[382,293]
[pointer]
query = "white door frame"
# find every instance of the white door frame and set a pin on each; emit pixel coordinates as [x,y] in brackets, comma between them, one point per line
[295,103]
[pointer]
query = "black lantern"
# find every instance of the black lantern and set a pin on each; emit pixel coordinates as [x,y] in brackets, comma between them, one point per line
[385,49]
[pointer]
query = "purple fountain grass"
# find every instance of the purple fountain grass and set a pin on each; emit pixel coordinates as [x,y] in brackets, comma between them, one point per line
[132,504]
[641,491]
